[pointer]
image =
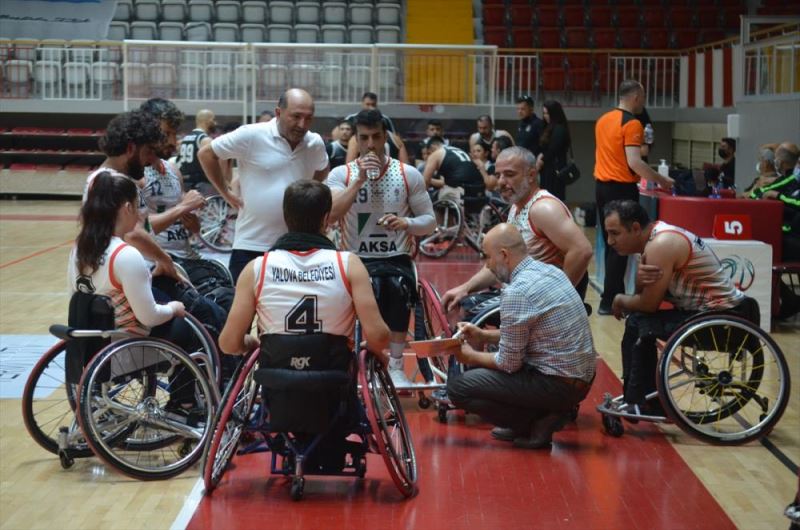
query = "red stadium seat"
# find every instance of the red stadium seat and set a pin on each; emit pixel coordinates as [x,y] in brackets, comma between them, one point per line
[685,38]
[736,3]
[574,16]
[630,38]
[657,39]
[604,38]
[522,37]
[549,38]
[553,73]
[520,2]
[731,20]
[521,15]
[17,166]
[627,16]
[580,60]
[493,14]
[577,37]
[600,16]
[708,17]
[654,17]
[496,36]
[548,16]
[680,17]
[80,132]
[652,3]
[712,35]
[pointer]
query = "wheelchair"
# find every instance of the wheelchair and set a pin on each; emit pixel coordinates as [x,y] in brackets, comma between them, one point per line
[217,224]
[106,392]
[308,419]
[720,379]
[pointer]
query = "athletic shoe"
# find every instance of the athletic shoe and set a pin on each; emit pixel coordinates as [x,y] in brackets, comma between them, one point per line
[398,375]
[604,310]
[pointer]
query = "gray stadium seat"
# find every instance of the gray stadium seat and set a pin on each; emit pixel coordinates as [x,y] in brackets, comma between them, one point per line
[174,10]
[281,13]
[147,10]
[388,82]
[360,34]
[118,30]
[334,13]
[334,34]
[253,32]
[48,77]
[197,31]
[190,77]
[274,79]
[387,34]
[18,71]
[254,12]
[228,11]
[387,14]
[307,13]
[135,75]
[144,30]
[279,33]
[201,10]
[304,75]
[225,31]
[104,75]
[76,75]
[81,51]
[360,13]
[218,81]
[357,79]
[162,75]
[170,31]
[330,82]
[123,11]
[306,33]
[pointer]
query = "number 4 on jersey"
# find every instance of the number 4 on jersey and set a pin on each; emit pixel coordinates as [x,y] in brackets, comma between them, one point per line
[303,316]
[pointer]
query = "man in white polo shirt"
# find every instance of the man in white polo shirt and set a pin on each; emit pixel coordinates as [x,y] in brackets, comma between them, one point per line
[271,156]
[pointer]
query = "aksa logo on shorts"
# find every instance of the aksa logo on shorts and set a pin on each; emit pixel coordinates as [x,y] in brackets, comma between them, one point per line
[741,271]
[300,363]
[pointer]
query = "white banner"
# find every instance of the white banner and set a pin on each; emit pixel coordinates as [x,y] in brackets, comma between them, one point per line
[56,19]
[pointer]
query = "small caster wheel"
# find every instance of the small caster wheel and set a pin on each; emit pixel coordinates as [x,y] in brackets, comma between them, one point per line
[573,416]
[185,448]
[442,413]
[298,483]
[613,426]
[66,460]
[424,402]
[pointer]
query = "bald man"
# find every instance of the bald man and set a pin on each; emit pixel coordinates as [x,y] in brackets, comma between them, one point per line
[271,156]
[544,363]
[193,176]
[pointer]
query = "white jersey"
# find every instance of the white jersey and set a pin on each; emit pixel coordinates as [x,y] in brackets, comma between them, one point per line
[124,277]
[160,193]
[396,191]
[304,292]
[539,246]
[142,204]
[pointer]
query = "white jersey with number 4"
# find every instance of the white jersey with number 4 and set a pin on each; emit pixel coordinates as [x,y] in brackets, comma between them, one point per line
[300,292]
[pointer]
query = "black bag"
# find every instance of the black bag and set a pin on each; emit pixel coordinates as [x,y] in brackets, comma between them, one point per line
[570,173]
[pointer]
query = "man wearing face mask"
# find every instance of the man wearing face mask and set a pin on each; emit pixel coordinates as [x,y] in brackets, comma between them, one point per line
[727,170]
[539,372]
[193,176]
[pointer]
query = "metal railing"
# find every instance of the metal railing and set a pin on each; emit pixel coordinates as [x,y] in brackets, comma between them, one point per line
[771,57]
[658,76]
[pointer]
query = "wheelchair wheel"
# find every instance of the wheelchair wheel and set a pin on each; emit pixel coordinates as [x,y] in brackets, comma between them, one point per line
[209,354]
[434,325]
[48,404]
[151,380]
[389,428]
[449,224]
[217,224]
[230,422]
[723,380]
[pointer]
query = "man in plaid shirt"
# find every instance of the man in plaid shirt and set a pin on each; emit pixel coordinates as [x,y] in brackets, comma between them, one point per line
[545,361]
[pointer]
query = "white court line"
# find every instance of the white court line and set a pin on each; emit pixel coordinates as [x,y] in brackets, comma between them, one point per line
[189,506]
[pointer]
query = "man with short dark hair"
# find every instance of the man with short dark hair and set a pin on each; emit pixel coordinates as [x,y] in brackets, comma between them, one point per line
[530,125]
[382,204]
[395,147]
[369,101]
[618,168]
[265,116]
[271,156]
[487,133]
[727,169]
[682,270]
[452,171]
[545,359]
[337,147]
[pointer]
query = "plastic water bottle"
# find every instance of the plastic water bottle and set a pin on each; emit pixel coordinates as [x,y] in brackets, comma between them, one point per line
[715,191]
[663,168]
[648,134]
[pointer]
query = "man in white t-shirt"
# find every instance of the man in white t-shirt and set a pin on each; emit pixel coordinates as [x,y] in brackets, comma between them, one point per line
[271,156]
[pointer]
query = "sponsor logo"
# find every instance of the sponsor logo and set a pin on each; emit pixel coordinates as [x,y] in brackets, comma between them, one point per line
[300,363]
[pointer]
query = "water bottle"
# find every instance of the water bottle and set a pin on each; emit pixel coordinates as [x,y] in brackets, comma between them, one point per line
[663,168]
[715,191]
[648,134]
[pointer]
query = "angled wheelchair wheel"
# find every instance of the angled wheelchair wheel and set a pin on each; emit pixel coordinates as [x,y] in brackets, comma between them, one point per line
[449,224]
[48,404]
[207,356]
[434,325]
[230,422]
[723,380]
[390,431]
[153,392]
[217,221]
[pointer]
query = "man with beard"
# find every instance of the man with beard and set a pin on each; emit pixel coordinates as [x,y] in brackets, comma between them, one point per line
[550,234]
[540,372]
[130,144]
[337,148]
[271,156]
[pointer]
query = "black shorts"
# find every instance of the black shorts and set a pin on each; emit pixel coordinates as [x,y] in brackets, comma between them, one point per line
[394,284]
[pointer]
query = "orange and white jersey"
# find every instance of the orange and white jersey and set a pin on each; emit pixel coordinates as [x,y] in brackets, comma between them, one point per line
[300,292]
[701,283]
[539,247]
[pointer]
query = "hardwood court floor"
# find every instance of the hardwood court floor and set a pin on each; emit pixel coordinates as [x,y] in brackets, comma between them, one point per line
[750,485]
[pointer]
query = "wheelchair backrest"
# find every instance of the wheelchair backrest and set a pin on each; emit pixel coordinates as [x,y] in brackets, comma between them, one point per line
[307,380]
[86,311]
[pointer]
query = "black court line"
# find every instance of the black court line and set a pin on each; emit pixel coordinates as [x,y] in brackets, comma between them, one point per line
[782,457]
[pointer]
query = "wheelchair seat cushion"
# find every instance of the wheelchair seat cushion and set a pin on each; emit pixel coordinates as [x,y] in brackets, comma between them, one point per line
[86,311]
[315,351]
[279,379]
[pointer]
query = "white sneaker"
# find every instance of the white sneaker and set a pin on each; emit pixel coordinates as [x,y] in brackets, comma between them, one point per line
[398,375]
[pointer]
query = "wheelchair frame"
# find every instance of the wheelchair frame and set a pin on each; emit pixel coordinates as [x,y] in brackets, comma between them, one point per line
[385,432]
[449,233]
[71,427]
[729,390]
[214,217]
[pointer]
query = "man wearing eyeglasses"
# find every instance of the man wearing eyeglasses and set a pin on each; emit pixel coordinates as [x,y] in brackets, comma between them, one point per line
[530,125]
[381,203]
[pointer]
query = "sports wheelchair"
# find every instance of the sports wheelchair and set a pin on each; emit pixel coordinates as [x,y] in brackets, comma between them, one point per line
[308,419]
[113,394]
[217,220]
[720,378]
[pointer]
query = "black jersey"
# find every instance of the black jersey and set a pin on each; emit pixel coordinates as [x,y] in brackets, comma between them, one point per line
[457,169]
[187,157]
[337,154]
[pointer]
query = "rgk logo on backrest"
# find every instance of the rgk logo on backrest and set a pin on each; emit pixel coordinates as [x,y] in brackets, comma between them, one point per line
[732,226]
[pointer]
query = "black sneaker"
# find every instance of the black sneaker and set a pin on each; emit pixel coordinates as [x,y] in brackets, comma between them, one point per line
[604,309]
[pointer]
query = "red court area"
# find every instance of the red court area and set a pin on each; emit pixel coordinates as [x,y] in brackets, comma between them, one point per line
[468,480]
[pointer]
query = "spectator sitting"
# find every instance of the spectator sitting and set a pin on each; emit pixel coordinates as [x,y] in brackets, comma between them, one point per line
[765,172]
